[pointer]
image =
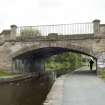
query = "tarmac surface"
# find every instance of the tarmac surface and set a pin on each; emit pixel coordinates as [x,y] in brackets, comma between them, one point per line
[81,87]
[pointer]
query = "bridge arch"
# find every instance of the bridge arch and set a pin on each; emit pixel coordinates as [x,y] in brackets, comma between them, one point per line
[47,51]
[32,57]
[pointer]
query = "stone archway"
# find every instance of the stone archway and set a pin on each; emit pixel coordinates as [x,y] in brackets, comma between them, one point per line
[30,57]
[70,47]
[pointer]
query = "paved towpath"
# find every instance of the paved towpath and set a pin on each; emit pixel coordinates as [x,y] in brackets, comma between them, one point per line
[79,88]
[83,88]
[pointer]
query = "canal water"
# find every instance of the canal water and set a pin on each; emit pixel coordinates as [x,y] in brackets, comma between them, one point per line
[28,92]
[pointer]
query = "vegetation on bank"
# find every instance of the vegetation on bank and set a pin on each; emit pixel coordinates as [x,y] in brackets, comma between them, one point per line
[102,74]
[64,63]
[4,73]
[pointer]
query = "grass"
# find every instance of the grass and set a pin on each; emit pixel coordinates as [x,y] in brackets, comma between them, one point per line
[102,74]
[4,73]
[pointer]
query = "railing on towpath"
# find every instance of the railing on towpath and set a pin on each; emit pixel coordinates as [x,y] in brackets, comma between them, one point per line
[60,29]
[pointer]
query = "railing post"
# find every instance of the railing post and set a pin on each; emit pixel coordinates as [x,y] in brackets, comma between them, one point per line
[96,27]
[13,32]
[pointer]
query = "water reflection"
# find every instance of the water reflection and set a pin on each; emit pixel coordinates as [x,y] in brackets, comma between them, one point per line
[28,92]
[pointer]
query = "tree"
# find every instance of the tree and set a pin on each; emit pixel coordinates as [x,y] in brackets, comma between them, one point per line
[29,32]
[65,61]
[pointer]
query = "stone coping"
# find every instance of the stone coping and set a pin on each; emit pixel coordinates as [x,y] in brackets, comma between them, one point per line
[55,95]
[17,77]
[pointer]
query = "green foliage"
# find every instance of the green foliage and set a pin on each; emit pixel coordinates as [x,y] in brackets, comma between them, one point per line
[4,73]
[27,32]
[102,74]
[64,62]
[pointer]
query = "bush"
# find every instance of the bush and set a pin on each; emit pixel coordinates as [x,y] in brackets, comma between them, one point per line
[102,74]
[64,62]
[27,32]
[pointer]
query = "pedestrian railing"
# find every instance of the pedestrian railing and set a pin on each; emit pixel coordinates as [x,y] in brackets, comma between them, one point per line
[60,29]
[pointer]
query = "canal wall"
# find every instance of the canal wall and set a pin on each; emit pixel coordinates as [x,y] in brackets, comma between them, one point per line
[55,96]
[17,77]
[47,76]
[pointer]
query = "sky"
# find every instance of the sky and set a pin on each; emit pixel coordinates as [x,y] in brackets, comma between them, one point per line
[44,12]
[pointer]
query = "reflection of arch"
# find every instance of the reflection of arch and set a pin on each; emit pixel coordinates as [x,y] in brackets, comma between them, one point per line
[46,51]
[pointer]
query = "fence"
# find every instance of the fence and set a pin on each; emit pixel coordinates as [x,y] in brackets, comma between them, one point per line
[60,29]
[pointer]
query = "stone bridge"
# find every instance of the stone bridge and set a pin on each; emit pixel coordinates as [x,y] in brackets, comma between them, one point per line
[24,49]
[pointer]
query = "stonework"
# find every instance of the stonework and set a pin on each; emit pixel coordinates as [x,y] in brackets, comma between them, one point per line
[15,50]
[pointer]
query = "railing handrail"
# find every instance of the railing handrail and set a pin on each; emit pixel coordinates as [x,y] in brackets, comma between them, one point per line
[64,29]
[55,24]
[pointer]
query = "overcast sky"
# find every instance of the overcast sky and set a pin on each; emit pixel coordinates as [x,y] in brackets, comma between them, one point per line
[39,12]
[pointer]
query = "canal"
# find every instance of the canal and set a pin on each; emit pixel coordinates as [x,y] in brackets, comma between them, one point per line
[28,92]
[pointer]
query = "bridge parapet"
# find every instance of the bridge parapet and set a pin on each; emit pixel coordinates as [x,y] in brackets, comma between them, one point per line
[60,29]
[102,29]
[53,32]
[99,29]
[96,27]
[55,38]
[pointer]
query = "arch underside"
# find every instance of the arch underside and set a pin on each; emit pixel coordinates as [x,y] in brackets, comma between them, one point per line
[31,59]
[45,52]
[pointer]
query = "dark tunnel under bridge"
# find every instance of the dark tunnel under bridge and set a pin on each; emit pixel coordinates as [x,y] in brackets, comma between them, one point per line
[34,61]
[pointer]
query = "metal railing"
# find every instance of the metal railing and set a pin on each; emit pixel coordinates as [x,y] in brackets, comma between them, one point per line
[60,29]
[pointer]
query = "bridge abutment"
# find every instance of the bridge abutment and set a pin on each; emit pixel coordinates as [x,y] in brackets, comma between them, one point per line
[27,65]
